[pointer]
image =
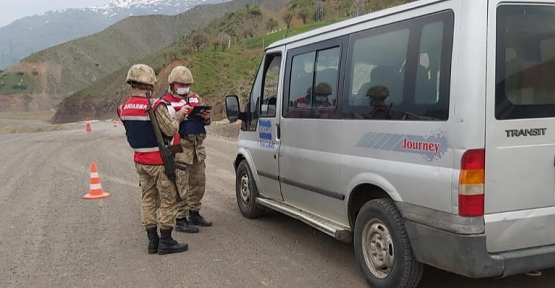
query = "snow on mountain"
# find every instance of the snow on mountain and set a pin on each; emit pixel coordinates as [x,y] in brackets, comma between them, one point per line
[119,8]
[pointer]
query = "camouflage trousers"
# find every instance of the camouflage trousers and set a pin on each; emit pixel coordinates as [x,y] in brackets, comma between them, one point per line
[158,195]
[191,182]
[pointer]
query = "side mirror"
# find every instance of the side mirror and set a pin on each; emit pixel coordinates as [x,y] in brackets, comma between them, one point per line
[232,108]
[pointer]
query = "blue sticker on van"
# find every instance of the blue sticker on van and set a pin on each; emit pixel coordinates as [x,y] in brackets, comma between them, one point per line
[430,147]
[265,134]
[265,130]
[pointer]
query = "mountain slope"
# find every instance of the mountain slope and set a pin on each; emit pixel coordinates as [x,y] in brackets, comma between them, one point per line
[88,59]
[34,33]
[218,70]
[76,64]
[31,34]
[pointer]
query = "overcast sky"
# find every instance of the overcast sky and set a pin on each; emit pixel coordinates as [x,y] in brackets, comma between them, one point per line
[14,9]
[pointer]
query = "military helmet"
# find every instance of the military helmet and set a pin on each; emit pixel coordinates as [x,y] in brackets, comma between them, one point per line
[180,74]
[378,91]
[141,73]
[323,88]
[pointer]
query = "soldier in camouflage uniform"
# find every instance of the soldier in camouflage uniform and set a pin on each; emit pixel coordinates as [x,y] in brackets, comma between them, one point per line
[192,134]
[158,192]
[376,98]
[377,95]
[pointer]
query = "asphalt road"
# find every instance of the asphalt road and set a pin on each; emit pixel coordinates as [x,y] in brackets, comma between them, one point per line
[51,237]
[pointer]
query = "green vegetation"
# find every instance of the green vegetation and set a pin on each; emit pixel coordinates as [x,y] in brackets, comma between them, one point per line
[217,71]
[86,60]
[221,72]
[16,83]
[273,37]
[223,54]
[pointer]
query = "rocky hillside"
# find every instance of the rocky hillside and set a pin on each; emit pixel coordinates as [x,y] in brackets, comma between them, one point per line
[219,68]
[62,70]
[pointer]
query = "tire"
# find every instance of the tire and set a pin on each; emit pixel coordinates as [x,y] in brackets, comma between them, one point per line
[246,192]
[397,267]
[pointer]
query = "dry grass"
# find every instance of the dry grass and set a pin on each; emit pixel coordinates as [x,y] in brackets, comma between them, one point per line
[6,128]
[30,122]
[40,116]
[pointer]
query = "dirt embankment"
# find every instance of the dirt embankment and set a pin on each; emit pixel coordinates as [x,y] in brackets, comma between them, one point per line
[225,129]
[73,109]
[27,102]
[46,78]
[87,108]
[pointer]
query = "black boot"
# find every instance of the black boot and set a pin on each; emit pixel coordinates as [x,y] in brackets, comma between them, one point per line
[196,219]
[182,225]
[168,245]
[153,240]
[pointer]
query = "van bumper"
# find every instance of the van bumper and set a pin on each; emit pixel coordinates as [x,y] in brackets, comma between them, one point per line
[467,255]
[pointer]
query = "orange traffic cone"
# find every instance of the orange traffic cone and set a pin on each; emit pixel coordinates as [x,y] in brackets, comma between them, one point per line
[88,127]
[95,190]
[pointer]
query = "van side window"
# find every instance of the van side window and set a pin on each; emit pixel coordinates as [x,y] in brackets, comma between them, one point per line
[301,80]
[313,88]
[525,72]
[325,78]
[428,72]
[270,66]
[270,91]
[377,78]
[400,71]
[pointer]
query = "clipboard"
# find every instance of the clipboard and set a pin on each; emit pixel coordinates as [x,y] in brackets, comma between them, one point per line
[199,109]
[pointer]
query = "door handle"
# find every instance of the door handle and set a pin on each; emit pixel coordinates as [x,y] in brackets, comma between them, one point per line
[278,131]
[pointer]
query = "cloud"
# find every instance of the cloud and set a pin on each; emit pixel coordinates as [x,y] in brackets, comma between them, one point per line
[12,10]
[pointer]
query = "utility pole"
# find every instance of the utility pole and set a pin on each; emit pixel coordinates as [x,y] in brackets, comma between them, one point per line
[11,50]
[319,10]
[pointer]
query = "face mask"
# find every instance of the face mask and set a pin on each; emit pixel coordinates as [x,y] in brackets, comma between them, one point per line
[321,99]
[182,91]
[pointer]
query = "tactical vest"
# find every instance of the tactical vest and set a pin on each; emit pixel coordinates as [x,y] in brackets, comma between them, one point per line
[138,129]
[381,109]
[189,126]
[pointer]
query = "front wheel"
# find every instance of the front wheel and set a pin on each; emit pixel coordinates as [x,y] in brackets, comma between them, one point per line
[382,247]
[246,192]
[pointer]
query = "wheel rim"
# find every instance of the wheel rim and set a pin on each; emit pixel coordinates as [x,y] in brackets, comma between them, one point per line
[377,248]
[245,189]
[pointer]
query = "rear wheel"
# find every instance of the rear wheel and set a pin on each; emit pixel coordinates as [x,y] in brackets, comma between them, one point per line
[246,192]
[382,247]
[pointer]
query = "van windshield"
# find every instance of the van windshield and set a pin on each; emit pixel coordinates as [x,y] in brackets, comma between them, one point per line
[525,72]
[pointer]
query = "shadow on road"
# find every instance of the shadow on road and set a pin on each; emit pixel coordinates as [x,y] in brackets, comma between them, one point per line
[324,245]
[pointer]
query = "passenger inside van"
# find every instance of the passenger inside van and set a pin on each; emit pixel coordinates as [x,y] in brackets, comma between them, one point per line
[321,97]
[383,75]
[379,109]
[376,96]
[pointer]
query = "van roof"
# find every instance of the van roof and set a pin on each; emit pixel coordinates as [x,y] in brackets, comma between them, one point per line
[354,21]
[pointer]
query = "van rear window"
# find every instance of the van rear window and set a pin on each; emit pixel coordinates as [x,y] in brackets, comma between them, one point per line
[525,72]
